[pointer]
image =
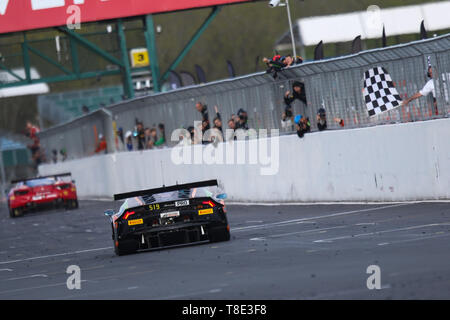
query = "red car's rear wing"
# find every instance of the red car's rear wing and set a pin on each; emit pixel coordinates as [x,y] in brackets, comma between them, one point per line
[43,177]
[148,192]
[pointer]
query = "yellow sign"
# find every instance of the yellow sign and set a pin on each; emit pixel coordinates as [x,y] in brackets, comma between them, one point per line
[135,222]
[205,211]
[139,58]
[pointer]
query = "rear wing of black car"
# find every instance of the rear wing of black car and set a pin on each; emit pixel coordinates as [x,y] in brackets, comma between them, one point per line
[148,192]
[43,177]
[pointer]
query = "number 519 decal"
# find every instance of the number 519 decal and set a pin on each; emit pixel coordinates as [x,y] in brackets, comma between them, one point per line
[154,207]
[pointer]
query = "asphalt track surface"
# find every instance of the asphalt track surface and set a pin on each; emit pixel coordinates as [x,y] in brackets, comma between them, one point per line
[276,252]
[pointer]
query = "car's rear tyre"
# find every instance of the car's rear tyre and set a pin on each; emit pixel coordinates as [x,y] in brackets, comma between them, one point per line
[16,212]
[71,204]
[126,247]
[11,214]
[74,204]
[217,234]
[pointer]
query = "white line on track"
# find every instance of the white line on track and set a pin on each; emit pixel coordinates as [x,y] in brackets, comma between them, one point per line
[381,232]
[55,255]
[304,231]
[37,287]
[27,277]
[300,220]
[329,295]
[414,239]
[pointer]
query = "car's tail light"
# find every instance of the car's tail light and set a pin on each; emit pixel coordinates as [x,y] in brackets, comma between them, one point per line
[129,213]
[210,203]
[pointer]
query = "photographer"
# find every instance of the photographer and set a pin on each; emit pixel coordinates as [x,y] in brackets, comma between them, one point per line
[298,92]
[303,125]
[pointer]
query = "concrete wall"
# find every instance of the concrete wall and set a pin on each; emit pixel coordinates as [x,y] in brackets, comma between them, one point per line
[385,163]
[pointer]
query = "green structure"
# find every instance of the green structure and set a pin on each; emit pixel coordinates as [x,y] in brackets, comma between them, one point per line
[79,46]
[57,108]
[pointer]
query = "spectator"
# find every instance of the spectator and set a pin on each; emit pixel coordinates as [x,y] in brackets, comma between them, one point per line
[298,92]
[186,140]
[63,154]
[162,138]
[101,145]
[287,119]
[290,61]
[191,130]
[129,140]
[298,60]
[31,132]
[218,120]
[54,156]
[302,124]
[242,119]
[120,142]
[85,110]
[274,65]
[321,119]
[204,128]
[148,138]
[426,90]
[153,138]
[339,121]
[35,150]
[232,124]
[203,109]
[38,157]
[140,135]
[230,133]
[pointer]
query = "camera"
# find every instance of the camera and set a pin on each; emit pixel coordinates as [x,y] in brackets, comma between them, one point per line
[274,3]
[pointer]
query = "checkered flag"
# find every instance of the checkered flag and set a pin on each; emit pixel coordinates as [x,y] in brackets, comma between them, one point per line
[379,91]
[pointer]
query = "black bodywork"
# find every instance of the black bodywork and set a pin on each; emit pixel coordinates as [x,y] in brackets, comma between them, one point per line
[182,221]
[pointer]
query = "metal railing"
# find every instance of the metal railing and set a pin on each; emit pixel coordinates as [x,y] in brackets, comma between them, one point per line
[334,84]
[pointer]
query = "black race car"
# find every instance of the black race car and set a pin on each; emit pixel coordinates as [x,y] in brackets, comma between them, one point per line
[169,216]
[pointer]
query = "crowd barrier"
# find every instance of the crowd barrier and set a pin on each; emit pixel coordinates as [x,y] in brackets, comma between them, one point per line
[334,84]
[396,162]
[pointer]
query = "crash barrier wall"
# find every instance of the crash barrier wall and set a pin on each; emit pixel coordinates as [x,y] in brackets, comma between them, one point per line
[396,162]
[335,84]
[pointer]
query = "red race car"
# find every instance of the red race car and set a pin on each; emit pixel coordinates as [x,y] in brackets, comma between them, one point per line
[40,192]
